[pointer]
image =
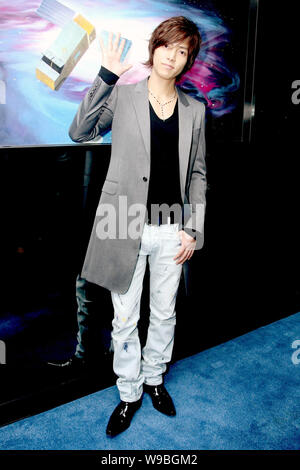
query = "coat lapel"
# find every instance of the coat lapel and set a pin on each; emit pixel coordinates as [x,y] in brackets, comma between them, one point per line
[141,104]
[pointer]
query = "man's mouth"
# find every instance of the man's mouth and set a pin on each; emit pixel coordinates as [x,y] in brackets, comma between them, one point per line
[168,66]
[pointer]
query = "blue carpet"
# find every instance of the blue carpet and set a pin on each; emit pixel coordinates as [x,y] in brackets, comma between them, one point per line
[240,395]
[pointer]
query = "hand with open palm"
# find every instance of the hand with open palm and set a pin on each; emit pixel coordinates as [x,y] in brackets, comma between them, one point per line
[111,55]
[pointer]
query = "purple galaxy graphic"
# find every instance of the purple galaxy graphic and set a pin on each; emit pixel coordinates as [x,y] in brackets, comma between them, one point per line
[33,114]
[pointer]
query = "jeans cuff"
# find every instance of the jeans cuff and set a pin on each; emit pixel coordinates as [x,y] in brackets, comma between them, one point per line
[153,385]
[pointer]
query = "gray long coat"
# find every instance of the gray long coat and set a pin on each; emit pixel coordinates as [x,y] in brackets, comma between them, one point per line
[109,262]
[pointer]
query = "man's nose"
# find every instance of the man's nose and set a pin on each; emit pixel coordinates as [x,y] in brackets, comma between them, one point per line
[171,54]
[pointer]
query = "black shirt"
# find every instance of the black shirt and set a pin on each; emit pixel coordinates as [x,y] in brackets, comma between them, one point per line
[164,184]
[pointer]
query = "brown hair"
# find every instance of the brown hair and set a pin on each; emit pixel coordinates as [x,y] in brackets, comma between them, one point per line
[175,29]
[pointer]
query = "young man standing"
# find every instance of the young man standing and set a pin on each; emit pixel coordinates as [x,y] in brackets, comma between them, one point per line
[157,160]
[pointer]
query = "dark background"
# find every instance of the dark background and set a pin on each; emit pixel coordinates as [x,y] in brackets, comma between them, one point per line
[247,274]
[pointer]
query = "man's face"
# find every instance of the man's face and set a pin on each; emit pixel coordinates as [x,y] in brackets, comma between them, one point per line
[169,60]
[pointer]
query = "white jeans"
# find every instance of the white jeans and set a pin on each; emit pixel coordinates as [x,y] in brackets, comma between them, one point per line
[133,366]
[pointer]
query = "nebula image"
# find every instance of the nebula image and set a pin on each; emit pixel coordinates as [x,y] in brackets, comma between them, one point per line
[32,114]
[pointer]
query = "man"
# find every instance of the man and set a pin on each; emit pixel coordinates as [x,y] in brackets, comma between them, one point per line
[157,160]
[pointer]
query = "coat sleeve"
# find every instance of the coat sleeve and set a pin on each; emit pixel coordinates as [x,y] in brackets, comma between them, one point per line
[95,112]
[197,187]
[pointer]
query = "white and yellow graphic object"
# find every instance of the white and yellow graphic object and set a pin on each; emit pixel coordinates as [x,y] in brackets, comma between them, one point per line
[60,59]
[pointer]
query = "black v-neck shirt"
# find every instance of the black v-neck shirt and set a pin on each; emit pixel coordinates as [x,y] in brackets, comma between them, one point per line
[164,181]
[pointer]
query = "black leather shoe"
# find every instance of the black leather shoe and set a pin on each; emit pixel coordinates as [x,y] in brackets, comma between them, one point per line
[74,363]
[79,364]
[122,416]
[161,399]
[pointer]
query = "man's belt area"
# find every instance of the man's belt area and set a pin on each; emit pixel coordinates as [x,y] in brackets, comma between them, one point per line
[162,219]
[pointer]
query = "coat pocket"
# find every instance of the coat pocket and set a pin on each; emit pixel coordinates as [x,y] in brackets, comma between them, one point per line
[110,187]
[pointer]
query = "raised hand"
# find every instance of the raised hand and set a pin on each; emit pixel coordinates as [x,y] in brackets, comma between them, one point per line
[111,55]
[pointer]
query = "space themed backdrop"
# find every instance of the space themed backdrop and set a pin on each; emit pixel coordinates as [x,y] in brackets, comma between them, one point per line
[50,55]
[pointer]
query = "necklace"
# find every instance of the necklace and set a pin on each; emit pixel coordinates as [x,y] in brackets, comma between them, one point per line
[162,104]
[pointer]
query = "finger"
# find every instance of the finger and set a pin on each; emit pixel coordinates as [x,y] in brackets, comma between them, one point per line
[179,253]
[184,247]
[121,47]
[116,41]
[182,258]
[110,38]
[188,253]
[102,45]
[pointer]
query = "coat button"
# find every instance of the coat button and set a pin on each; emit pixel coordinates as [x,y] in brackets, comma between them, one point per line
[144,178]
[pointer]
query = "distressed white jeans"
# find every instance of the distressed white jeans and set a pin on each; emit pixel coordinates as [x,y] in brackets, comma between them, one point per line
[132,366]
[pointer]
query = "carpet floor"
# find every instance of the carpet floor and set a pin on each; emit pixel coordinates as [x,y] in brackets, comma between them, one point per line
[240,395]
